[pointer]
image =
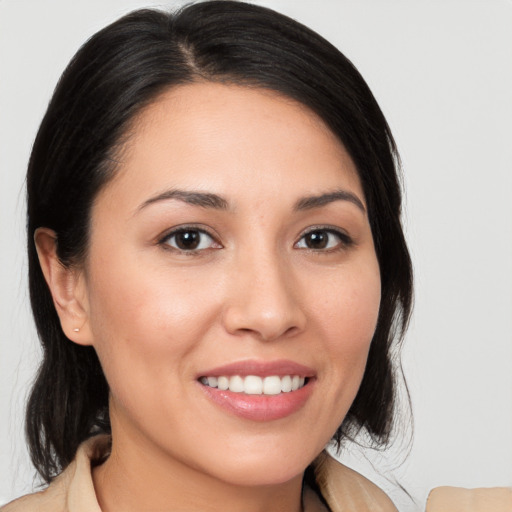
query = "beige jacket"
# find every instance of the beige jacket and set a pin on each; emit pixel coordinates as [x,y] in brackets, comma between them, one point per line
[344,490]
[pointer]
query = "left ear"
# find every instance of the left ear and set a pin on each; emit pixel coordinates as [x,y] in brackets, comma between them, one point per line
[67,286]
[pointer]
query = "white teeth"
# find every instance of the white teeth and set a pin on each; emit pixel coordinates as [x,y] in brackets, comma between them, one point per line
[271,385]
[254,385]
[286,384]
[236,384]
[222,383]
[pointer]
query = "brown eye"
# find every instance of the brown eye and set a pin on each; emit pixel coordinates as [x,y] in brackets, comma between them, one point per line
[323,239]
[189,240]
[316,240]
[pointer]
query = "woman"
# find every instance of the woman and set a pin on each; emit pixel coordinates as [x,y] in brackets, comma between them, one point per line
[218,271]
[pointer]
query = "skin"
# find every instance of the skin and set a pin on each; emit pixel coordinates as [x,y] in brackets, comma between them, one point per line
[157,315]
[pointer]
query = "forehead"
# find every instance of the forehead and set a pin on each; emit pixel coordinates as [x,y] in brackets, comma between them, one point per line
[234,140]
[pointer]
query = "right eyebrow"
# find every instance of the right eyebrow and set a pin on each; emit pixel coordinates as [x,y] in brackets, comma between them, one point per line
[196,198]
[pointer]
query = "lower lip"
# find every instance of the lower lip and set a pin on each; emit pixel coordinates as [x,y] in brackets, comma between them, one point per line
[260,407]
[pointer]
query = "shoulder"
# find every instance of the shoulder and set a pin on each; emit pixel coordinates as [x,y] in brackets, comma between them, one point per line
[457,499]
[73,489]
[346,490]
[51,499]
[36,502]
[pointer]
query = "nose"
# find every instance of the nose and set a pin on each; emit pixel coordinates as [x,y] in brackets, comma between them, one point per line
[263,299]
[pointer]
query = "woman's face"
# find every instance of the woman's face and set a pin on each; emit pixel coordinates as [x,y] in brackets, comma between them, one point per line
[232,249]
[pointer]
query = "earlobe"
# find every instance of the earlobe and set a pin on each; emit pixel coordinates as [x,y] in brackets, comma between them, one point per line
[67,288]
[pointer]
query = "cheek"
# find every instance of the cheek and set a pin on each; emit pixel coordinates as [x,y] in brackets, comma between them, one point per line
[145,306]
[143,324]
[347,315]
[349,302]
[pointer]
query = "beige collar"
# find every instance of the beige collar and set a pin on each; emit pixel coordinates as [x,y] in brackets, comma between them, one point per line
[345,490]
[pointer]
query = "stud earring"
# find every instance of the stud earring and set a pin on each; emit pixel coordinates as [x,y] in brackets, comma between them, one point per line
[76,329]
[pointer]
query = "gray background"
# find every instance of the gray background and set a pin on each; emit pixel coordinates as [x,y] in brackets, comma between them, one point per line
[442,72]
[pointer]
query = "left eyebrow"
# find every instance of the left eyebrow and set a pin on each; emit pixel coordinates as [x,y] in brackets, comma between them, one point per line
[310,202]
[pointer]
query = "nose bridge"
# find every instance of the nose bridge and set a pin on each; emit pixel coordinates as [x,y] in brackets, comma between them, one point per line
[264,296]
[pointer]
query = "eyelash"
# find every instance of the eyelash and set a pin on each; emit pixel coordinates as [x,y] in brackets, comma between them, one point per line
[164,240]
[344,240]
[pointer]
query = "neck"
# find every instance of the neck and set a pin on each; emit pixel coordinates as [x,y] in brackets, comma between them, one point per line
[138,476]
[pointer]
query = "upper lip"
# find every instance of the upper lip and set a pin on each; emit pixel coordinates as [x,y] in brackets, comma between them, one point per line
[260,368]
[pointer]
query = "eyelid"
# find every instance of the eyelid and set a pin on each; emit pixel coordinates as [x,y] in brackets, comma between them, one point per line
[163,238]
[345,239]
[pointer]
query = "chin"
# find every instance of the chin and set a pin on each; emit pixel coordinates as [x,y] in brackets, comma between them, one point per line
[263,467]
[263,474]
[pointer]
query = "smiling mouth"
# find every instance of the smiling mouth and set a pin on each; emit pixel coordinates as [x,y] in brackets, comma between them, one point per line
[256,385]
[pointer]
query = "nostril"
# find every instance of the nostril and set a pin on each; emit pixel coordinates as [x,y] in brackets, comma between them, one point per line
[269,335]
[291,331]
